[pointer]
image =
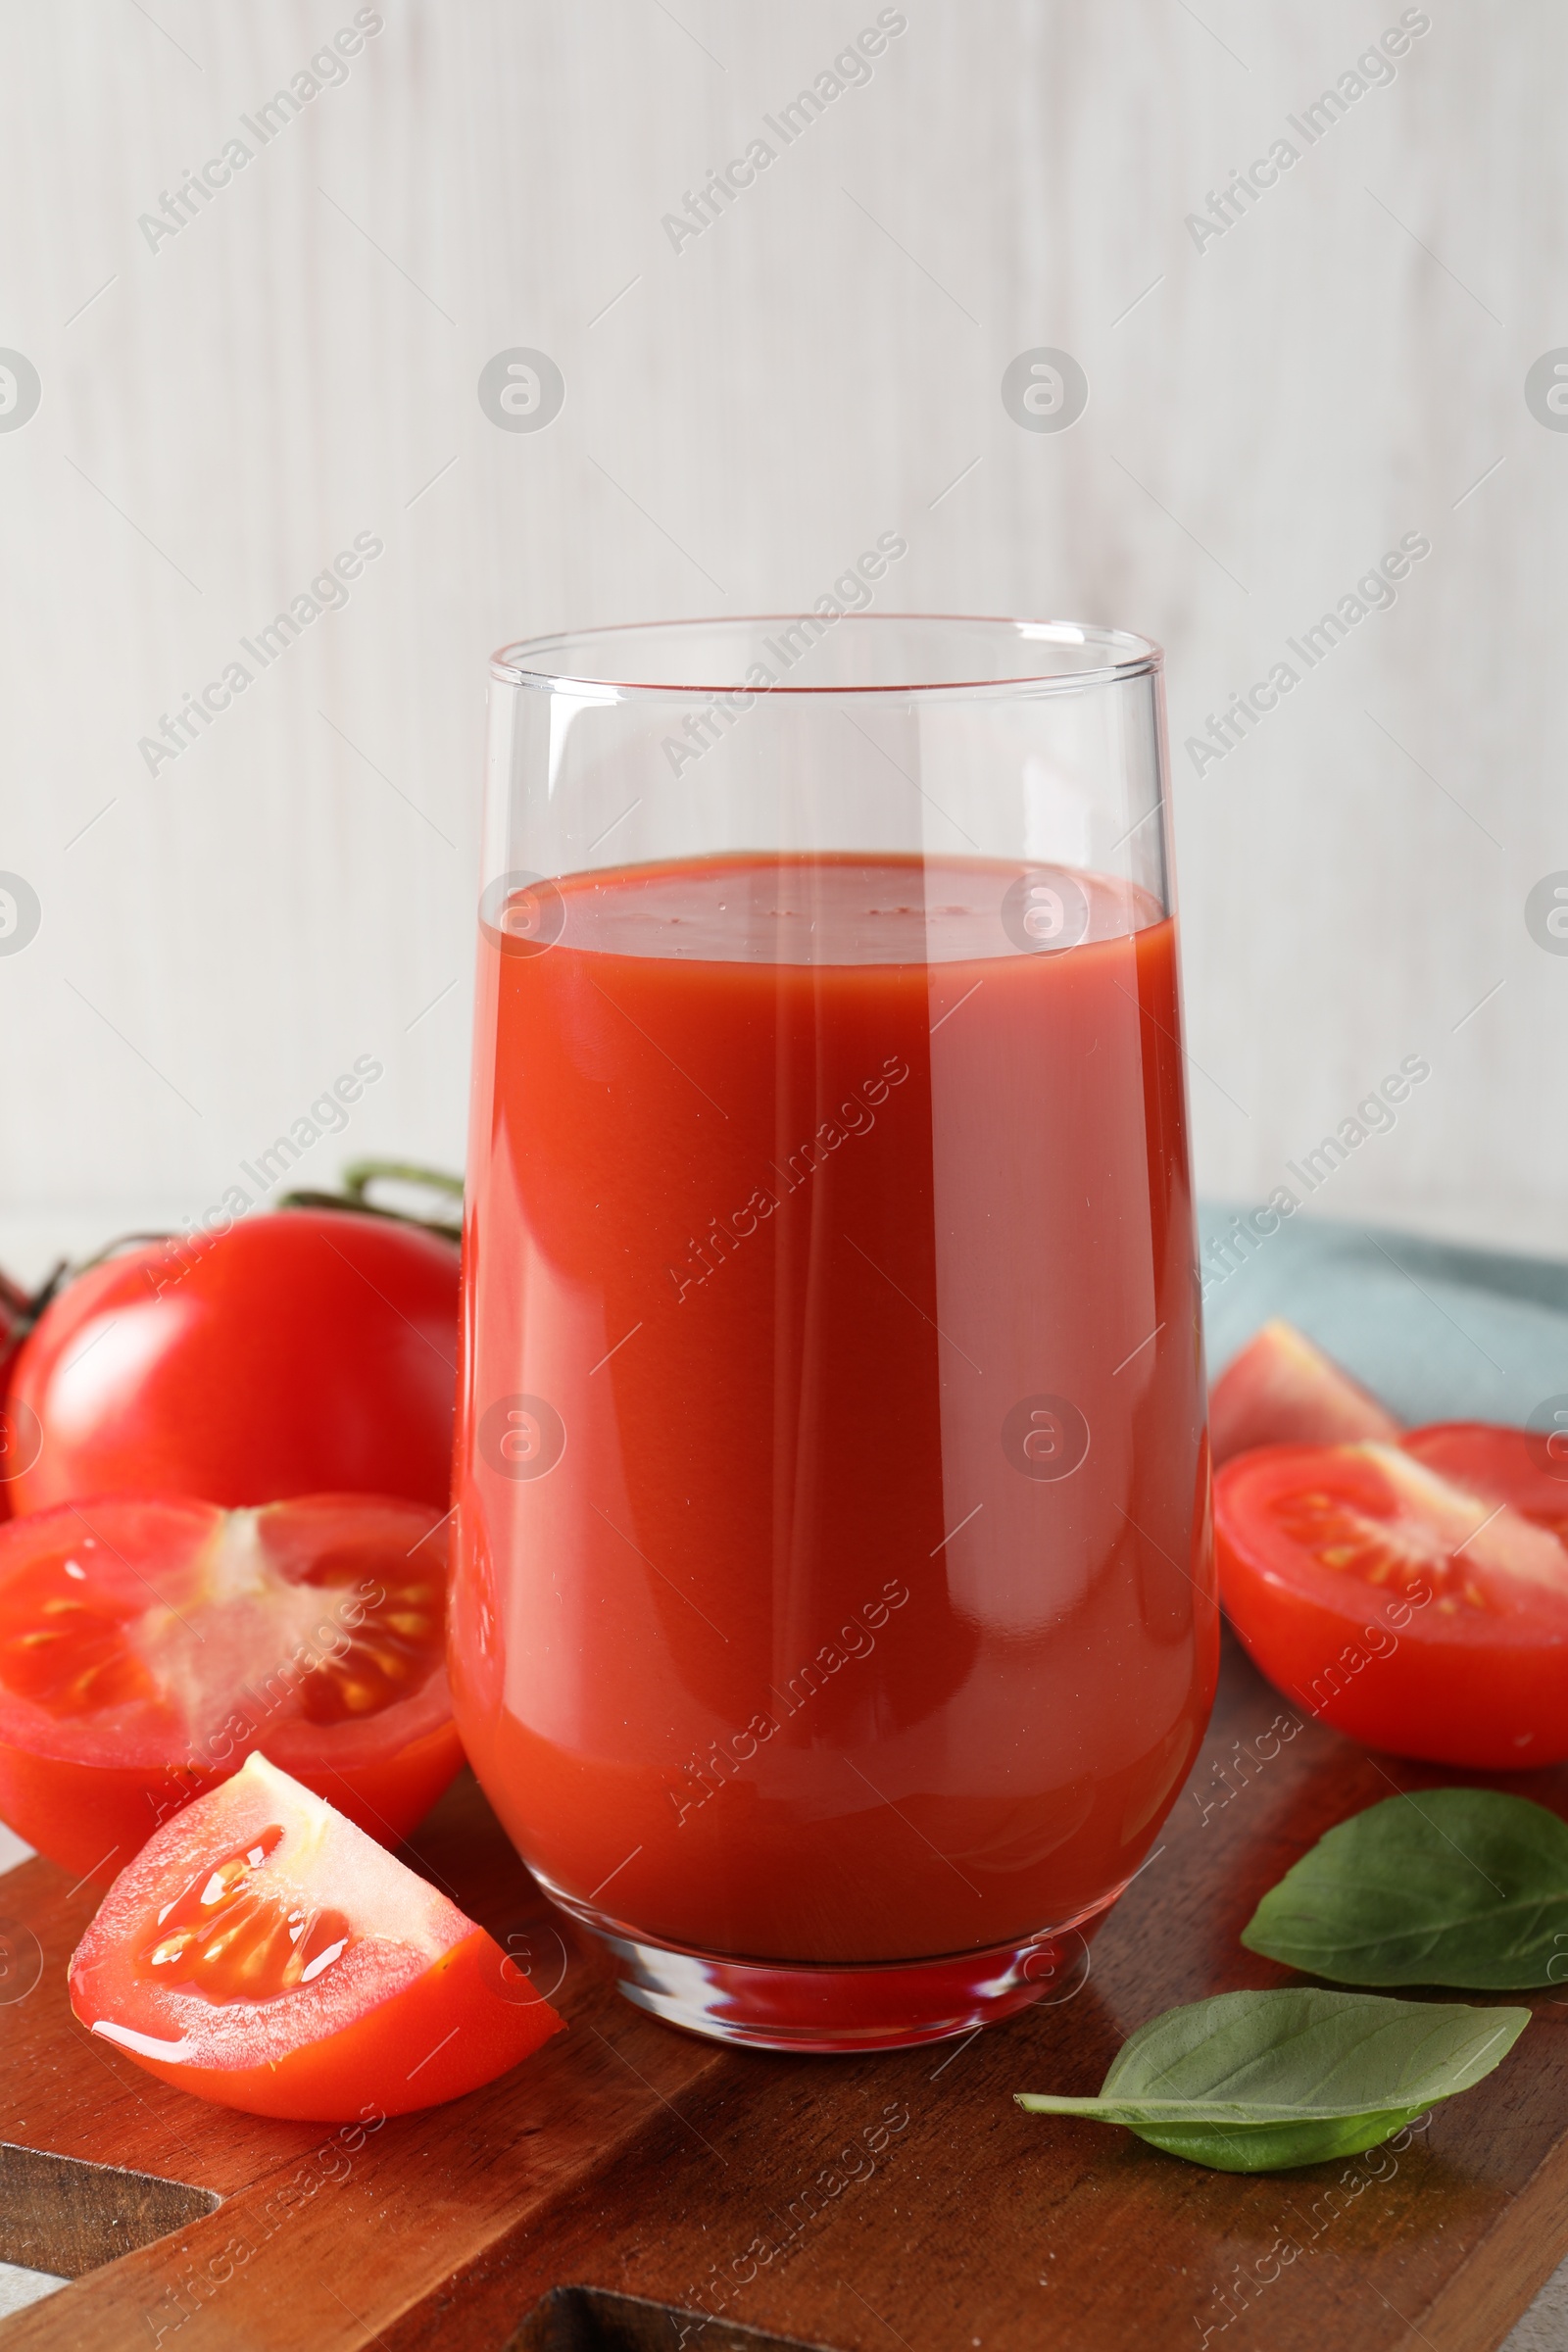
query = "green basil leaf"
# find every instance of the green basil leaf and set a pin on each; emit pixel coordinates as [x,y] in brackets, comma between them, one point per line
[1251,2082]
[1462,1886]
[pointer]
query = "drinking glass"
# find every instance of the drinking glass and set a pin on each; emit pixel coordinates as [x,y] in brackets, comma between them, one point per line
[833,1616]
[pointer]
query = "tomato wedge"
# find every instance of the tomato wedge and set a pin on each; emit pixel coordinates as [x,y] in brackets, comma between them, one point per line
[147,1646]
[1281,1390]
[1414,1596]
[262,1952]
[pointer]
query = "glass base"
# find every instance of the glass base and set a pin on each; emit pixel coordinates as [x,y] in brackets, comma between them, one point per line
[812,2006]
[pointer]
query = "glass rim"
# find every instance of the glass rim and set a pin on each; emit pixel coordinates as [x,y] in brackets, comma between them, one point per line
[1122,654]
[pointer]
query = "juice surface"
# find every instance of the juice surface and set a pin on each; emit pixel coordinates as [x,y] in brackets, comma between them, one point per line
[833,1575]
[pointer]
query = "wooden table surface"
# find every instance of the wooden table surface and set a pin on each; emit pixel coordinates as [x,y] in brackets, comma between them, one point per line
[861,2203]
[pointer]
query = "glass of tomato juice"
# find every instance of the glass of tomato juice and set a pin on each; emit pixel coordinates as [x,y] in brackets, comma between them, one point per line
[834,1619]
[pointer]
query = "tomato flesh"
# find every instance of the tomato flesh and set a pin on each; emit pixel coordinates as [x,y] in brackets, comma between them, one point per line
[148,1645]
[1281,1390]
[302,1352]
[264,1953]
[230,1936]
[1525,1468]
[1410,1609]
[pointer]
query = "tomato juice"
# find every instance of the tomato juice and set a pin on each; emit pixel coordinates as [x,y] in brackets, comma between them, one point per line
[833,1577]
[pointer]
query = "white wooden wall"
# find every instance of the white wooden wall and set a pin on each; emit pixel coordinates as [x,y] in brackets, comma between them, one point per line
[1268,414]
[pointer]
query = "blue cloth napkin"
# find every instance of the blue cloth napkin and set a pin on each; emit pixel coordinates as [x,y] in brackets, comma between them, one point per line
[1438,1333]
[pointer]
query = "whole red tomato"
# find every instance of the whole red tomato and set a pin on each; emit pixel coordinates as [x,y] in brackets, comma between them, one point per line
[17,1432]
[16,1312]
[306,1351]
[13,1324]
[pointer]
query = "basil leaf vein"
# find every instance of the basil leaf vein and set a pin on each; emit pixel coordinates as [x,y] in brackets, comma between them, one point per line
[1253,2081]
[1459,1887]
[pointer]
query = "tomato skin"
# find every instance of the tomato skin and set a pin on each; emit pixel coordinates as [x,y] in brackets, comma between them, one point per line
[366,2065]
[1281,1390]
[15,1318]
[1487,1693]
[1521,1466]
[91,1818]
[387,1797]
[302,1352]
[430,2012]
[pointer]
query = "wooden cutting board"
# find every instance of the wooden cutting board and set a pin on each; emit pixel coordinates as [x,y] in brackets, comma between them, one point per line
[630,2175]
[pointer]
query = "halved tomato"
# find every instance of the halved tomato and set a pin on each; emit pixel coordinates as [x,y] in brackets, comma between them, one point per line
[262,1952]
[1281,1390]
[1525,1468]
[148,1646]
[1415,1597]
